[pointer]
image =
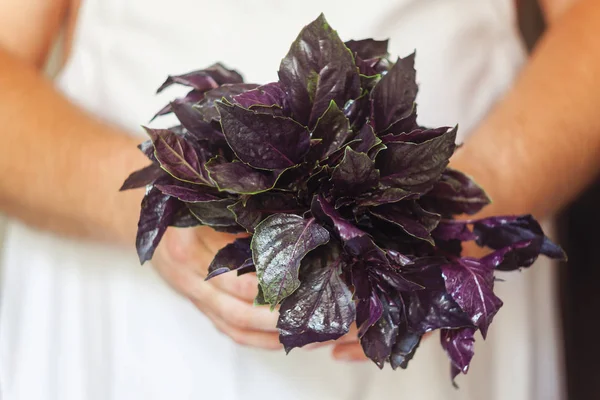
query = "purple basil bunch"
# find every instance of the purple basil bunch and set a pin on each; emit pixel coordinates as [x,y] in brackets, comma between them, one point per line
[348,201]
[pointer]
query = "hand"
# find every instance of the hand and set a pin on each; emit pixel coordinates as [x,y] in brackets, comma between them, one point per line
[182,259]
[348,348]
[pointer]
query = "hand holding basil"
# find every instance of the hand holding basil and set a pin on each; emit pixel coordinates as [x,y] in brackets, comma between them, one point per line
[349,202]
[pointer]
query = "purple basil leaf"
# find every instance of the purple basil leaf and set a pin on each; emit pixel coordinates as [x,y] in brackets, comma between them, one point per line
[406,124]
[268,95]
[410,217]
[147,148]
[453,230]
[198,81]
[337,155]
[459,345]
[384,196]
[325,212]
[249,213]
[416,167]
[364,249]
[355,174]
[368,72]
[314,182]
[357,110]
[319,68]
[455,194]
[499,232]
[333,128]
[394,279]
[223,75]
[368,139]
[378,340]
[183,218]
[208,105]
[143,177]
[215,213]
[157,213]
[393,97]
[429,310]
[279,244]
[368,311]
[259,300]
[416,136]
[237,177]
[471,284]
[189,193]
[405,347]
[261,140]
[322,308]
[204,79]
[375,150]
[426,271]
[368,48]
[178,156]
[230,258]
[191,119]
[398,258]
[193,97]
[246,268]
[515,256]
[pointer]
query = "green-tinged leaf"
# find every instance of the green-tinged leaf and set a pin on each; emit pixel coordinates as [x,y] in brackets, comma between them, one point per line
[214,213]
[393,97]
[179,157]
[279,244]
[415,167]
[261,140]
[319,68]
[368,48]
[238,177]
[333,129]
[410,217]
[355,174]
[252,211]
[259,300]
[322,308]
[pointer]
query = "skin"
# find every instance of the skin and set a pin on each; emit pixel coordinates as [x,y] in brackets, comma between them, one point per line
[66,147]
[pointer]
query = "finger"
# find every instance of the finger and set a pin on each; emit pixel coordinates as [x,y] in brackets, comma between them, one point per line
[213,240]
[244,287]
[263,340]
[348,352]
[350,337]
[235,311]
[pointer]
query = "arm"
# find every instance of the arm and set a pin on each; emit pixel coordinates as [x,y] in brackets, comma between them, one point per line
[540,146]
[60,167]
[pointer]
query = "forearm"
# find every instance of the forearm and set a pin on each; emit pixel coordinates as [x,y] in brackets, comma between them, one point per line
[60,169]
[540,146]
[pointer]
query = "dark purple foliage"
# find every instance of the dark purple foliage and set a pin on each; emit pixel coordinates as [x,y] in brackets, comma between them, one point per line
[232,257]
[348,202]
[322,308]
